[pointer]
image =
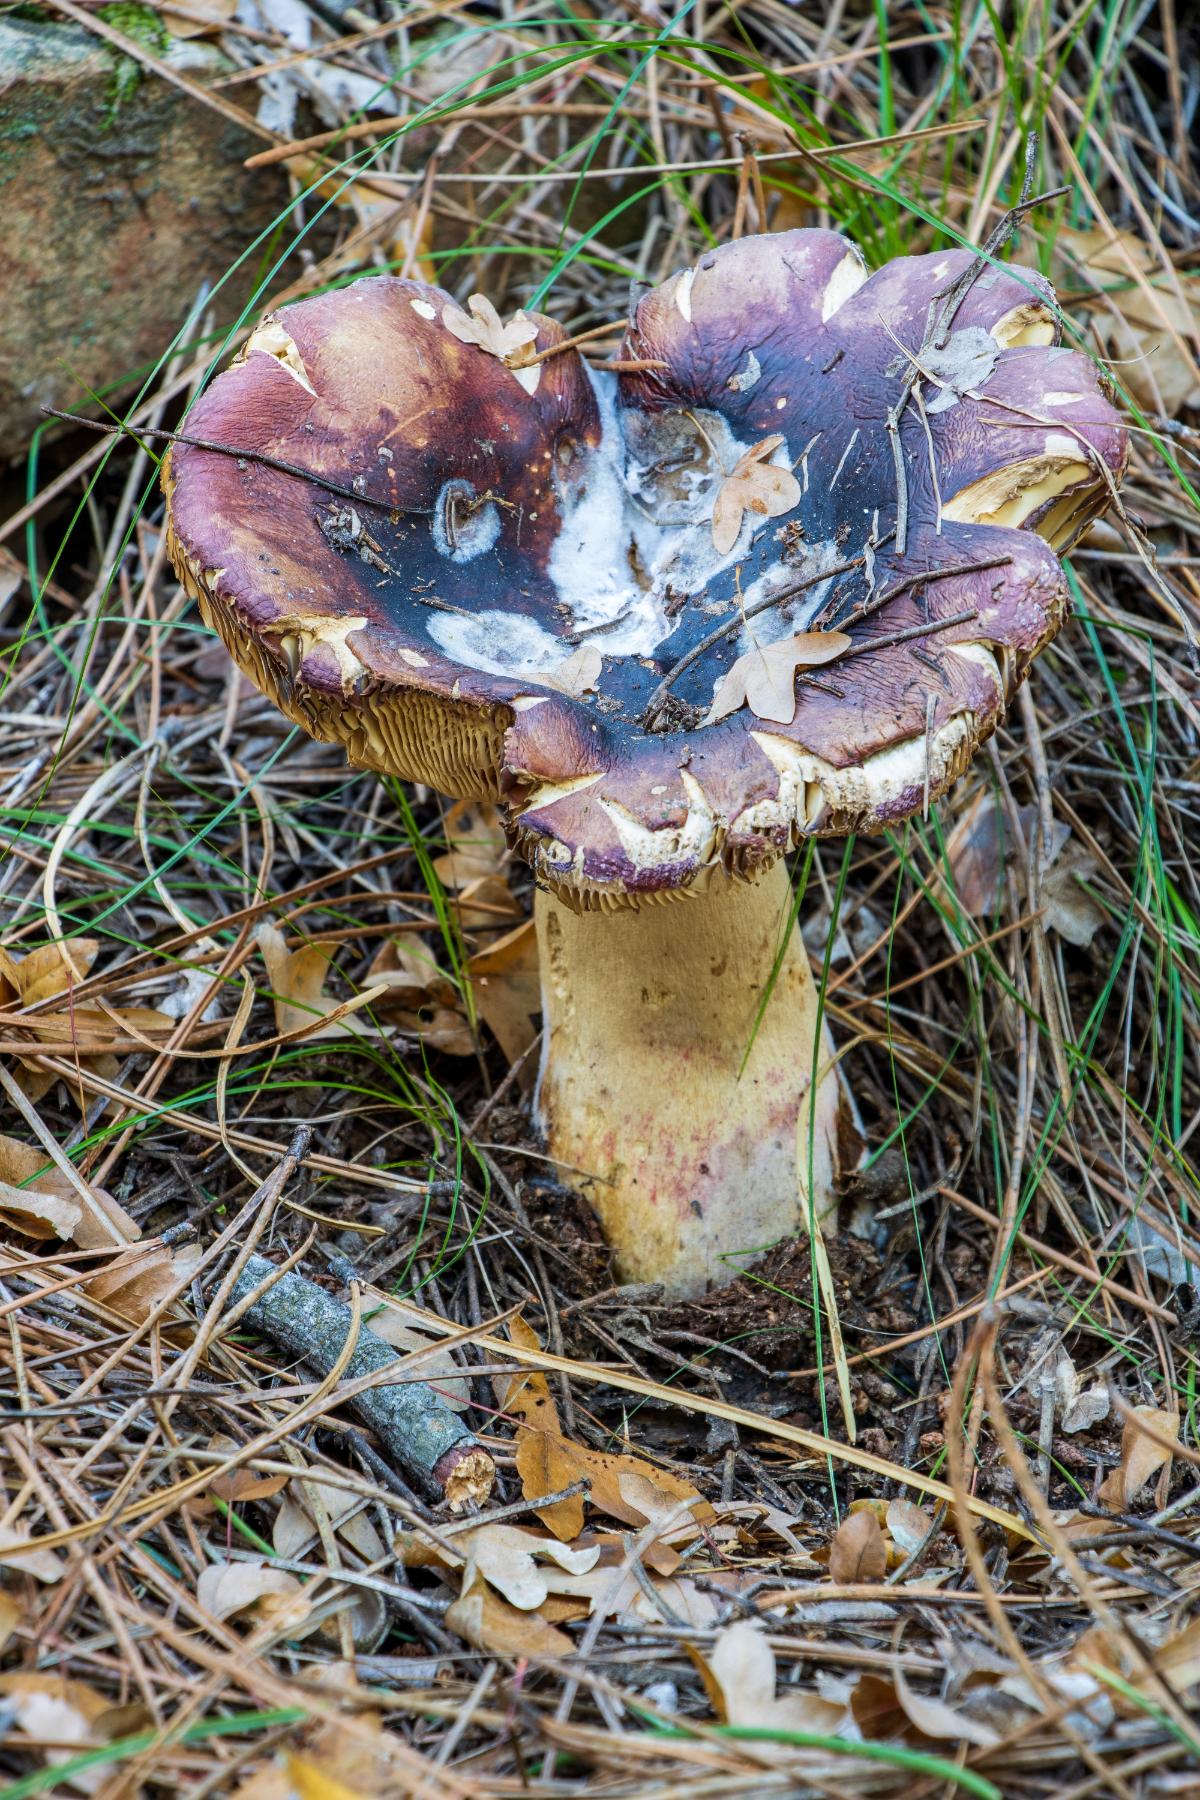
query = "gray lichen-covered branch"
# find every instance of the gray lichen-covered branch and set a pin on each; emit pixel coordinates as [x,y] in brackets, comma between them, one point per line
[412,1422]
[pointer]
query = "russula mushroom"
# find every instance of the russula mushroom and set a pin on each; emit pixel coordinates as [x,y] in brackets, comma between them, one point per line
[778,578]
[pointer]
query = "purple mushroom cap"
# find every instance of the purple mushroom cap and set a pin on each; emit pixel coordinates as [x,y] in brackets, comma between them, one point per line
[505,580]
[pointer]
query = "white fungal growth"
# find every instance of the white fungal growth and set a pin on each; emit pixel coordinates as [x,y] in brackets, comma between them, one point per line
[621,553]
[463,528]
[683,293]
[497,642]
[423,309]
[790,616]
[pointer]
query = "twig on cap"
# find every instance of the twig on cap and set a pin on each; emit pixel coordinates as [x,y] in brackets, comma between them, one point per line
[654,705]
[137,432]
[920,579]
[941,316]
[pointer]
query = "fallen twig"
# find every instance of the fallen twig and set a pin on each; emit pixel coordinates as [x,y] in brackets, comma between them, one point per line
[412,1422]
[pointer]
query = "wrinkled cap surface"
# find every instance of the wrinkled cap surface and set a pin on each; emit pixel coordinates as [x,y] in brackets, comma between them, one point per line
[521,591]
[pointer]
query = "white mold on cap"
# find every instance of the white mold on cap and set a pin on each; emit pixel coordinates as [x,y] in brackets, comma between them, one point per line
[462,527]
[497,642]
[790,616]
[612,564]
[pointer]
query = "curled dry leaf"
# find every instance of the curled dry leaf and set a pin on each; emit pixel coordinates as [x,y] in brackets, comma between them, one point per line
[858,1551]
[507,985]
[241,1483]
[50,1709]
[296,1523]
[475,867]
[1142,1456]
[89,1034]
[753,485]
[740,1679]
[134,1286]
[484,1619]
[225,1589]
[484,327]
[908,1526]
[297,979]
[1143,316]
[43,1565]
[578,675]
[37,1200]
[936,1719]
[548,1461]
[765,679]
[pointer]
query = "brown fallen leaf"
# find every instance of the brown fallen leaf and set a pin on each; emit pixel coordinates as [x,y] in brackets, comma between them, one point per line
[741,1686]
[858,1551]
[1141,1456]
[56,970]
[55,1710]
[475,868]
[486,1620]
[38,1200]
[507,983]
[754,485]
[414,995]
[1144,318]
[578,675]
[297,980]
[241,1483]
[908,1526]
[547,1461]
[296,1524]
[483,326]
[43,1565]
[934,1718]
[227,1589]
[765,679]
[134,1286]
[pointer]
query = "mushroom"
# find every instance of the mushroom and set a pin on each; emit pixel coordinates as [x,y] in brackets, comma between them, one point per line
[778,577]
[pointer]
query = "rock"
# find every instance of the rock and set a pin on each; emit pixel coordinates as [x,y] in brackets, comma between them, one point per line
[120,196]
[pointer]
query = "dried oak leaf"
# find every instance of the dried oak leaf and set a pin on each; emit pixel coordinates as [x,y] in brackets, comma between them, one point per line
[755,485]
[484,327]
[87,1034]
[858,1551]
[547,1461]
[225,1589]
[297,979]
[37,1200]
[739,1677]
[507,984]
[484,1619]
[578,675]
[1141,1455]
[765,679]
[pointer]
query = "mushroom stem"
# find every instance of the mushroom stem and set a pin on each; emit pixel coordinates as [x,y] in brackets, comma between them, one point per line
[693,1162]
